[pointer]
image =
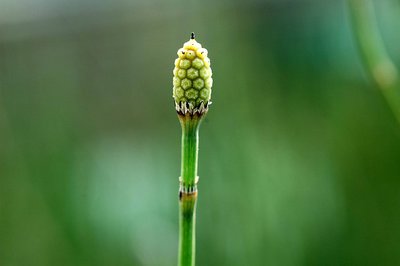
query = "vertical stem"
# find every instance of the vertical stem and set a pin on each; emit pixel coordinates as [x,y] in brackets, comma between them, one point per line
[188,190]
[190,147]
[187,228]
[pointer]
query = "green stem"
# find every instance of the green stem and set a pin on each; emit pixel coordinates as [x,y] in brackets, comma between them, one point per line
[375,57]
[188,189]
[190,147]
[187,229]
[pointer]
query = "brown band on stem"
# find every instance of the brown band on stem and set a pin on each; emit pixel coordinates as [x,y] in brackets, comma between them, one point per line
[187,196]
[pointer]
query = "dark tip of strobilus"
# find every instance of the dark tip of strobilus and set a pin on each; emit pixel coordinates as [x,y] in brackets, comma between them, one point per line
[192,36]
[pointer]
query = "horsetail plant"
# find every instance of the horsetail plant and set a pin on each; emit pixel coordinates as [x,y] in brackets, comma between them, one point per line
[192,83]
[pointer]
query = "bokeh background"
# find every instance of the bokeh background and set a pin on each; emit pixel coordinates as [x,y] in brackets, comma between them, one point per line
[299,154]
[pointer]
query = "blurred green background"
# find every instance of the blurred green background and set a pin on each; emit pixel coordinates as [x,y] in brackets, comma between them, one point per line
[299,154]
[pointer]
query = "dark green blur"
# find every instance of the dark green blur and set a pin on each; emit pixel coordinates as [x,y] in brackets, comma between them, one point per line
[299,158]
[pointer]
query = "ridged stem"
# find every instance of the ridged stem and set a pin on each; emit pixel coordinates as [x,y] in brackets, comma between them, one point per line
[188,189]
[376,60]
[190,147]
[187,229]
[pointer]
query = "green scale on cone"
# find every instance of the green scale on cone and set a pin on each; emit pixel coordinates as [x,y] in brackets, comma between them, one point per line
[192,78]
